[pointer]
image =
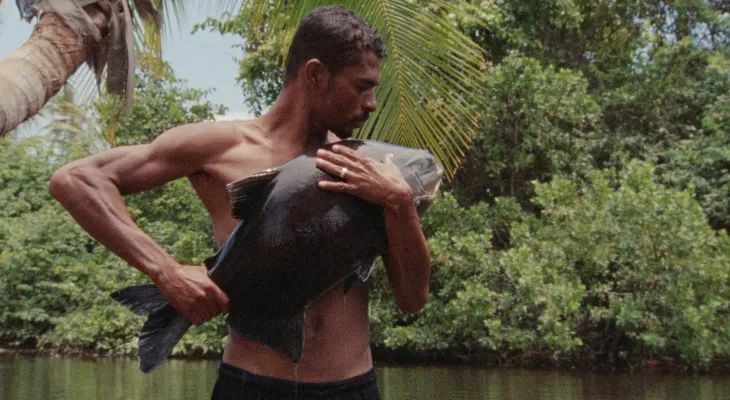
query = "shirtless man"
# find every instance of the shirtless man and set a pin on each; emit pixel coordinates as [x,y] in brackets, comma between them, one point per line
[332,68]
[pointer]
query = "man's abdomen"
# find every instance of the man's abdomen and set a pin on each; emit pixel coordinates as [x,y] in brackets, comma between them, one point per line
[336,342]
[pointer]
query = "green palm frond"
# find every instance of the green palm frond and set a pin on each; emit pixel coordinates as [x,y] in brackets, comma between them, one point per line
[431,75]
[149,33]
[67,118]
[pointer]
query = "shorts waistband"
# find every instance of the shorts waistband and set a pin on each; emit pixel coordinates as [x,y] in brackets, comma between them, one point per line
[230,372]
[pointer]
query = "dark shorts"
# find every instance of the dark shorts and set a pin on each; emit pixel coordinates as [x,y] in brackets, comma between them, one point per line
[238,384]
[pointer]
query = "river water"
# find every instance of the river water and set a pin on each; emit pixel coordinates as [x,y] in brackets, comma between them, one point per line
[41,378]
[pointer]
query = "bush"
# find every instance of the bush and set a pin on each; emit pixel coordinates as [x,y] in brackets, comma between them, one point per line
[622,269]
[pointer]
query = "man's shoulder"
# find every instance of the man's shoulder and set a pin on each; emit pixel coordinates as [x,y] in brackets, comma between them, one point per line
[211,135]
[222,129]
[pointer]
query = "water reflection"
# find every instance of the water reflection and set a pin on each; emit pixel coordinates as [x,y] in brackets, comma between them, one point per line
[25,378]
[28,378]
[510,384]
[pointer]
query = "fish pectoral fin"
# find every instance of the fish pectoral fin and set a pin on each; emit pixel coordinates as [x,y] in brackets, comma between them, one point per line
[244,193]
[362,271]
[349,283]
[212,261]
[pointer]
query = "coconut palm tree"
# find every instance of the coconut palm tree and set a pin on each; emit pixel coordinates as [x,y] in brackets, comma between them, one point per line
[429,78]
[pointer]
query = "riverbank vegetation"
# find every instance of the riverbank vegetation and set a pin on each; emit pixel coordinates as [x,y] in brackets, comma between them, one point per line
[586,226]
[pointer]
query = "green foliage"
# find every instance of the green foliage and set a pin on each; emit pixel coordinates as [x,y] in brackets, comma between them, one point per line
[662,102]
[703,162]
[26,166]
[48,265]
[54,279]
[101,327]
[519,24]
[653,270]
[161,102]
[620,268]
[536,122]
[597,38]
[646,80]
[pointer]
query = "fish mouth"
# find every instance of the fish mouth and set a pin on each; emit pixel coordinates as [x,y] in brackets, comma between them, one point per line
[433,183]
[430,182]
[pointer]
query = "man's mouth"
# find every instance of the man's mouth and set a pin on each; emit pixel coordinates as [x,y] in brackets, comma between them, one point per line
[360,122]
[362,118]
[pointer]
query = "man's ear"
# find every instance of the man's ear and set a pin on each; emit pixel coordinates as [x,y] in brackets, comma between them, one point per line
[315,74]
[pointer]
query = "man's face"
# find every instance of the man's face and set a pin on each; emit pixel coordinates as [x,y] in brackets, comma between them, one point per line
[349,97]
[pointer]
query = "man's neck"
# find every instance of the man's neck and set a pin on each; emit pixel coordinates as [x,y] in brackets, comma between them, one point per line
[289,121]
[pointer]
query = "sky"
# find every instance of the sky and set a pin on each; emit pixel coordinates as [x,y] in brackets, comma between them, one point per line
[206,60]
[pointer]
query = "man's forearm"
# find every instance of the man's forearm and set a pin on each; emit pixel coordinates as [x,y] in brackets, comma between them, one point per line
[96,204]
[408,261]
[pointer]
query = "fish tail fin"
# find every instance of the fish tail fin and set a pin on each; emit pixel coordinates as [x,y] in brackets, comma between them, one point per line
[140,299]
[165,326]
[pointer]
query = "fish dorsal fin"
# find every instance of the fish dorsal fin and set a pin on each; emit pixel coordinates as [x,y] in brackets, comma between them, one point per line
[243,193]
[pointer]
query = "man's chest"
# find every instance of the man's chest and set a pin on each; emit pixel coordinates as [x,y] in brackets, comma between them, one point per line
[236,164]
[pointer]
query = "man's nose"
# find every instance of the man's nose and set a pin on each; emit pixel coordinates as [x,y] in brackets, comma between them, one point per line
[370,104]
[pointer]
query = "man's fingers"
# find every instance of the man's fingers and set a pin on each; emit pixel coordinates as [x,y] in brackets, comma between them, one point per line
[212,310]
[195,296]
[338,160]
[347,153]
[194,317]
[337,186]
[213,303]
[222,300]
[200,312]
[331,168]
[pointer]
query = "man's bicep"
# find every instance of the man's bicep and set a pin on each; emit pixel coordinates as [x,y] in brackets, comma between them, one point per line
[174,154]
[142,168]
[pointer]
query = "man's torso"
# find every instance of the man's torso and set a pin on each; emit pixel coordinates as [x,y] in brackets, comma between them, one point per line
[336,342]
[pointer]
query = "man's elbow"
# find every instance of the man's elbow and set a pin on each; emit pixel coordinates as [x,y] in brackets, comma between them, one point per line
[65,181]
[412,304]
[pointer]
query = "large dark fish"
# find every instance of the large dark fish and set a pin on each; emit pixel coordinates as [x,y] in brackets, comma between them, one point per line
[295,241]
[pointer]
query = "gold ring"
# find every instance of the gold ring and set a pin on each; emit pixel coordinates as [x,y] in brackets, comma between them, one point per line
[343,173]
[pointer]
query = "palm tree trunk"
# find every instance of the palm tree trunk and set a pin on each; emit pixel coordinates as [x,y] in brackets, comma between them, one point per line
[35,72]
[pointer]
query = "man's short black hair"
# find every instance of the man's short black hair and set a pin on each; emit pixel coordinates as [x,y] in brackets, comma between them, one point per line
[335,36]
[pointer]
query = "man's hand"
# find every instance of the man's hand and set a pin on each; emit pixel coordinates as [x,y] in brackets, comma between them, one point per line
[407,260]
[373,181]
[189,289]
